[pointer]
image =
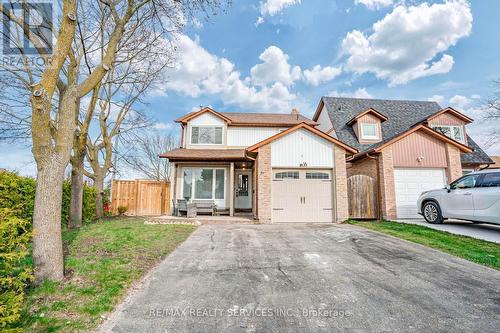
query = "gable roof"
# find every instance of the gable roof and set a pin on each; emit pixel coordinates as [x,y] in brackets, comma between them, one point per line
[402,115]
[370,110]
[191,115]
[252,119]
[306,127]
[454,112]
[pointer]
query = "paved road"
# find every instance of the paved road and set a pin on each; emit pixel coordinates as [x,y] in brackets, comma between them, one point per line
[489,232]
[306,278]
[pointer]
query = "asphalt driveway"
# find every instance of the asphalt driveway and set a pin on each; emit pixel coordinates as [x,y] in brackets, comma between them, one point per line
[309,278]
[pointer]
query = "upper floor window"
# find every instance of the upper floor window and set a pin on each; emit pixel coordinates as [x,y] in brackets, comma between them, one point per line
[454,132]
[369,131]
[206,135]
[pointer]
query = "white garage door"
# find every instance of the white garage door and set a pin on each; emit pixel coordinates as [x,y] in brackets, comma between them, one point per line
[410,183]
[302,196]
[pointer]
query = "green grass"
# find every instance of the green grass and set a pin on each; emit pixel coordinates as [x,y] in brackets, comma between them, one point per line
[476,250]
[102,260]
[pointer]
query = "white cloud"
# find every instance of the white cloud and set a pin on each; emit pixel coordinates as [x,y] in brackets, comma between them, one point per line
[374,4]
[460,102]
[359,93]
[202,73]
[273,7]
[409,42]
[274,68]
[436,98]
[317,75]
[162,126]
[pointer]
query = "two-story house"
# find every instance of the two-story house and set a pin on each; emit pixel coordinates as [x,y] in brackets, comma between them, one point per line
[406,147]
[288,168]
[279,167]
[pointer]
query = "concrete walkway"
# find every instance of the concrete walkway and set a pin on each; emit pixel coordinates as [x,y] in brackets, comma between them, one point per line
[309,278]
[488,232]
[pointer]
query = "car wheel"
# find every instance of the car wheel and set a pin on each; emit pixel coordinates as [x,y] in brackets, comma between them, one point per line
[432,212]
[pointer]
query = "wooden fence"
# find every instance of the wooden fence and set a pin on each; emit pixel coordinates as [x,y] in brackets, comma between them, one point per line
[362,196]
[141,197]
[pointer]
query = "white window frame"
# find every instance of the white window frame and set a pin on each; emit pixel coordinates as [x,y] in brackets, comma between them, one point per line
[369,137]
[452,131]
[206,126]
[214,183]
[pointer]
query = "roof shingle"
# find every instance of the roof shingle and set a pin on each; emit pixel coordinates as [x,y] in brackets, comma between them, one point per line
[401,116]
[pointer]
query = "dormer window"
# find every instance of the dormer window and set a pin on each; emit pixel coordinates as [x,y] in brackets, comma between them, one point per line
[454,132]
[369,131]
[210,135]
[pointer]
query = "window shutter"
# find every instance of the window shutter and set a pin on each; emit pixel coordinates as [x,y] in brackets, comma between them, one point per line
[218,135]
[195,131]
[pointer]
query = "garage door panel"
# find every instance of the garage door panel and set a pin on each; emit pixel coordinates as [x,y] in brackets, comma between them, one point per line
[410,183]
[302,200]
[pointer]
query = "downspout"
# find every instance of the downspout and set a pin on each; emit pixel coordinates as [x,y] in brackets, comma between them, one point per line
[379,188]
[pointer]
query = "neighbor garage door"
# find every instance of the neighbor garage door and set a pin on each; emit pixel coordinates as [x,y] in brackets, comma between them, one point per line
[302,196]
[410,183]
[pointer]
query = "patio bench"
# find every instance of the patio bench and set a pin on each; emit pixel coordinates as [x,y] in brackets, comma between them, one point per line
[205,206]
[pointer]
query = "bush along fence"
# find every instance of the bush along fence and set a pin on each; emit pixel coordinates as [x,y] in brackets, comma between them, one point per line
[17,197]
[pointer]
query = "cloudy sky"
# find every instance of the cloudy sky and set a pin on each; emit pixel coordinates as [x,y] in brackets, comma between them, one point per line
[274,55]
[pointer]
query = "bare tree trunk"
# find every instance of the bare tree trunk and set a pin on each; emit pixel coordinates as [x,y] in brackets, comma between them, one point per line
[99,186]
[47,241]
[51,160]
[76,202]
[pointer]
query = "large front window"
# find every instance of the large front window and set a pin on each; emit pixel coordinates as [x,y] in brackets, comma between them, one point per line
[454,132]
[204,183]
[206,135]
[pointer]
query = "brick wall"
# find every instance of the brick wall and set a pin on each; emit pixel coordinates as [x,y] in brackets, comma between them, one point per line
[454,170]
[388,195]
[341,204]
[264,175]
[366,166]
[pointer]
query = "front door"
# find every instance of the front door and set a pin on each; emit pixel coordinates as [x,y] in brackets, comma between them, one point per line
[243,190]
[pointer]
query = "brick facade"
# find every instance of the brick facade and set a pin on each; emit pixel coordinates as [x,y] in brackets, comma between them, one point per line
[387,187]
[454,170]
[340,193]
[264,183]
[366,166]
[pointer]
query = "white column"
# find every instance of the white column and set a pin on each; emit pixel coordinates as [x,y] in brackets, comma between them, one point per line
[231,189]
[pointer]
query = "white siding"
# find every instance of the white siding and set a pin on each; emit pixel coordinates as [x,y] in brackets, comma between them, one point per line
[302,146]
[248,136]
[206,119]
[325,124]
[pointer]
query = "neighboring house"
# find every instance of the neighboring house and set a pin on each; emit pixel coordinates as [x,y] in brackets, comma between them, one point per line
[407,147]
[495,159]
[278,167]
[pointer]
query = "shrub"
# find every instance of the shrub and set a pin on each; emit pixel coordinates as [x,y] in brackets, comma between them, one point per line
[88,210]
[18,194]
[15,273]
[122,210]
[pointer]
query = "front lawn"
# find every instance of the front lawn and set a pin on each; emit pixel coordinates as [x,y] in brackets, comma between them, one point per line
[102,260]
[476,250]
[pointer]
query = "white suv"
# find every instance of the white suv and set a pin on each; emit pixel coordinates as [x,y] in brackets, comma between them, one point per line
[474,197]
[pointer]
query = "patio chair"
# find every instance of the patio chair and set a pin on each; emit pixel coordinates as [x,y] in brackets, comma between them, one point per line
[181,207]
[205,206]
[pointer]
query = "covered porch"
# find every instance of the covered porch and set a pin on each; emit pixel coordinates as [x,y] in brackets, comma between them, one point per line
[225,177]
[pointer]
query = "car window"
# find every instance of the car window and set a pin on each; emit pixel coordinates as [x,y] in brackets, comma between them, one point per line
[490,180]
[465,182]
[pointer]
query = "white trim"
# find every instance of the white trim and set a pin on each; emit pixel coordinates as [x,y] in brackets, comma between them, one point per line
[369,137]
